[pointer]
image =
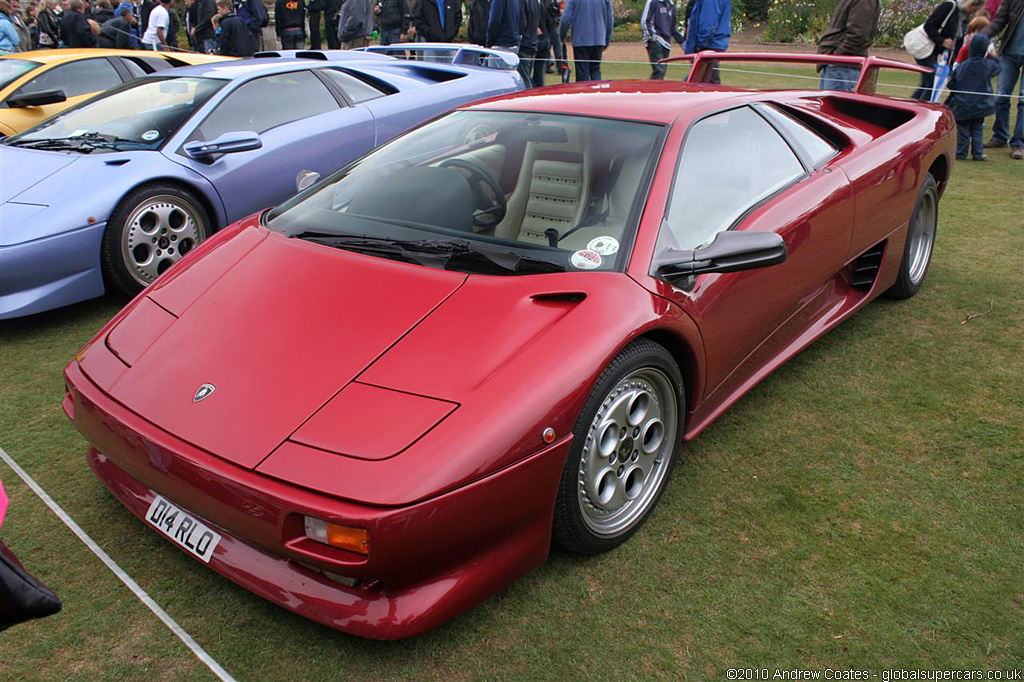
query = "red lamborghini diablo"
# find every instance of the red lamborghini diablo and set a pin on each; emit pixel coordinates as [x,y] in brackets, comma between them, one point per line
[379,403]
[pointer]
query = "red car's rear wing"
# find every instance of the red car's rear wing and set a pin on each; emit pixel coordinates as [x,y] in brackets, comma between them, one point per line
[866,82]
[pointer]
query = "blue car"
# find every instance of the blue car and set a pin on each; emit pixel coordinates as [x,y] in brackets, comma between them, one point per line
[110,193]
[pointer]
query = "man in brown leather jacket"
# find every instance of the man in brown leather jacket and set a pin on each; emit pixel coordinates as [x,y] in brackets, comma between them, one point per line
[850,32]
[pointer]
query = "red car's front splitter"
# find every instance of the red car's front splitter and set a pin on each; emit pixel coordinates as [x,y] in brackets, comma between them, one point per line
[428,561]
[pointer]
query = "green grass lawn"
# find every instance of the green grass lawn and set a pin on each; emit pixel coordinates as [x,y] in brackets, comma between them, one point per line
[862,508]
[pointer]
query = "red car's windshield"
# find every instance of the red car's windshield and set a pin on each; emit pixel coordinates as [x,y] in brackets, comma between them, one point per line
[489,191]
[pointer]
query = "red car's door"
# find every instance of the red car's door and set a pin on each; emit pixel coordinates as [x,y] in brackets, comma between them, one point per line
[743,170]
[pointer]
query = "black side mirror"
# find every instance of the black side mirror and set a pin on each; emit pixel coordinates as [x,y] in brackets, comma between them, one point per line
[37,99]
[730,251]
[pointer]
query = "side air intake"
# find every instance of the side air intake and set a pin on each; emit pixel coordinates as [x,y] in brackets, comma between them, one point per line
[864,270]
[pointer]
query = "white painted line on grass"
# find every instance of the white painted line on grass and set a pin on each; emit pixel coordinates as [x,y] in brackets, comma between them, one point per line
[119,572]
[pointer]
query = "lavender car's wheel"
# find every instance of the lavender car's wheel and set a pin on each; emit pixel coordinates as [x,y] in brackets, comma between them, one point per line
[624,444]
[151,230]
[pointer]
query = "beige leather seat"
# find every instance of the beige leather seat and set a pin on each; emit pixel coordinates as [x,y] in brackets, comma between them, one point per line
[621,194]
[552,189]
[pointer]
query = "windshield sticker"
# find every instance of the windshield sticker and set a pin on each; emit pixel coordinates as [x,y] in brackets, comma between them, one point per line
[151,135]
[606,246]
[586,259]
[79,132]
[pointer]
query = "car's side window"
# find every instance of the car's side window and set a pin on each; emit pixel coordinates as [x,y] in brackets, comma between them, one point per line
[816,149]
[75,78]
[133,67]
[268,102]
[142,65]
[729,162]
[357,90]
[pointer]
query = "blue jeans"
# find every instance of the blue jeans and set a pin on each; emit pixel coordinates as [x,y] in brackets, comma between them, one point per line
[210,46]
[1010,67]
[390,36]
[293,41]
[841,78]
[969,133]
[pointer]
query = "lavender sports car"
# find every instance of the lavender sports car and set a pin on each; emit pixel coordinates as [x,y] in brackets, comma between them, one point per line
[109,194]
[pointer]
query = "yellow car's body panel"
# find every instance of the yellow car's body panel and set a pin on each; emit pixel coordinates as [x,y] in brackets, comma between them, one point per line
[17,119]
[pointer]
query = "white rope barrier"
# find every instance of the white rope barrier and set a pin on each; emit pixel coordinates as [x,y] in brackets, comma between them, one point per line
[567,59]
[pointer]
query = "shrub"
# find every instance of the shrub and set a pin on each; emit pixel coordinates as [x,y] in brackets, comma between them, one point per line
[797,20]
[627,11]
[899,16]
[755,10]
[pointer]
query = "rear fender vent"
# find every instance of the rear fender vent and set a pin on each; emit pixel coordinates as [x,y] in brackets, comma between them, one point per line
[864,270]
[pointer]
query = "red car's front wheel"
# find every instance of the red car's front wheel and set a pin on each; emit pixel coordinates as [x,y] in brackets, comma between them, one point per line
[624,444]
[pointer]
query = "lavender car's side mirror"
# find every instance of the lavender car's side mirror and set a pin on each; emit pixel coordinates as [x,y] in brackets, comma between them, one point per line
[228,143]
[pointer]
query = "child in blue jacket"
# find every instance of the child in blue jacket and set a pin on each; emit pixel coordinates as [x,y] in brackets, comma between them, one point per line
[971,99]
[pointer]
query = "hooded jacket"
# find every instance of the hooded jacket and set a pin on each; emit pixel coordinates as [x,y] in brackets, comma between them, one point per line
[973,80]
[852,28]
[289,14]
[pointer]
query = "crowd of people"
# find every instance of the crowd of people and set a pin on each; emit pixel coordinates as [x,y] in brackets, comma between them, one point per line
[540,32]
[211,26]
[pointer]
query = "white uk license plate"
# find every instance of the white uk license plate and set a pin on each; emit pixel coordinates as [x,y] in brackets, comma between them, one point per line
[183,528]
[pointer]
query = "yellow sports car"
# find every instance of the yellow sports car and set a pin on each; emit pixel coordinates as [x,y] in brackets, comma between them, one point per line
[37,85]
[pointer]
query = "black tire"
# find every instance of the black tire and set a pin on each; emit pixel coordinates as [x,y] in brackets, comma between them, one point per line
[574,527]
[123,270]
[917,254]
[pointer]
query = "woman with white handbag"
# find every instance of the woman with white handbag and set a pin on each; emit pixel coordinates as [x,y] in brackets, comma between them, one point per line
[940,31]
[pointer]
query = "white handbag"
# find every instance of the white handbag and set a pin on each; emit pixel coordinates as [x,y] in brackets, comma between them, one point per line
[917,43]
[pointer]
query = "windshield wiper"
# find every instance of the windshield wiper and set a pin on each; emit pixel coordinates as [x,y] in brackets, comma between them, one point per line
[52,143]
[442,254]
[85,142]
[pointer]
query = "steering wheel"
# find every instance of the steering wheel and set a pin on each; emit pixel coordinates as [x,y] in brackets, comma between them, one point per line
[479,179]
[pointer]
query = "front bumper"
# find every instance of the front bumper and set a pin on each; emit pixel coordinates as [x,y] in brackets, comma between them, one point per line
[51,272]
[428,561]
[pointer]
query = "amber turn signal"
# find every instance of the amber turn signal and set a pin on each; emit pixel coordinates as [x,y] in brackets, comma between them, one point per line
[344,537]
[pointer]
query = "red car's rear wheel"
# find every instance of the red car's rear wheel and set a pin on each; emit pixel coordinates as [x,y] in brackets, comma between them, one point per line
[917,252]
[624,444]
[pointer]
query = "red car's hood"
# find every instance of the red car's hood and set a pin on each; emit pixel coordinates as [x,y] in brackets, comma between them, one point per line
[281,331]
